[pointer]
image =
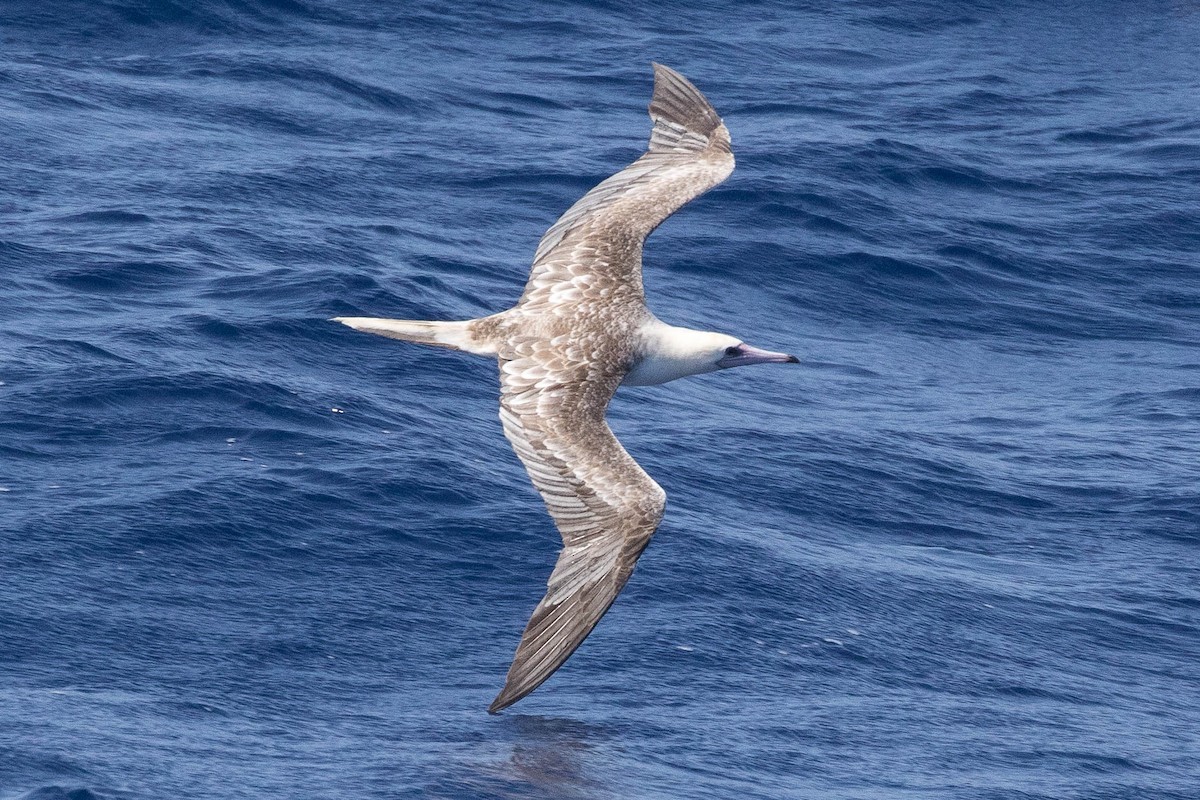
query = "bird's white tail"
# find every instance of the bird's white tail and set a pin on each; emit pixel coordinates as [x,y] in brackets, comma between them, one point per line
[455,335]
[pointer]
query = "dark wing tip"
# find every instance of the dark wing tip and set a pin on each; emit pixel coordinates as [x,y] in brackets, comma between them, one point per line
[521,682]
[558,627]
[503,700]
[684,120]
[554,632]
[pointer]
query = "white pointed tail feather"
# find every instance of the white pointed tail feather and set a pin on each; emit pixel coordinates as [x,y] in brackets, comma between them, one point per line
[455,335]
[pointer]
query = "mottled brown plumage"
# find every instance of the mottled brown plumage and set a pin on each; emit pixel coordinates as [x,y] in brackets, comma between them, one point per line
[580,329]
[557,376]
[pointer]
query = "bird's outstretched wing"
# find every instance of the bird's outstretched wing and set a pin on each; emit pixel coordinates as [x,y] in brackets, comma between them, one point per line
[601,235]
[605,506]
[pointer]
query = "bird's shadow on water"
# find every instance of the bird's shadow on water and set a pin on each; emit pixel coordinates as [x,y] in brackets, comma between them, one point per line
[532,757]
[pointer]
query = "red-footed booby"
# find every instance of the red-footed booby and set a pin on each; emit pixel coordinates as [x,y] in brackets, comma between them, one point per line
[580,330]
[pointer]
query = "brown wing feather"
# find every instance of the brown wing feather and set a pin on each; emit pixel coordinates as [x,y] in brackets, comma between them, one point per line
[602,234]
[557,375]
[604,504]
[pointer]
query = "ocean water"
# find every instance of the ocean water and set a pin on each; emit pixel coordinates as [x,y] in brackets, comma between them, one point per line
[249,553]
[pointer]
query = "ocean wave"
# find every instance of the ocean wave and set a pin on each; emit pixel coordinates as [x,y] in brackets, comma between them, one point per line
[954,547]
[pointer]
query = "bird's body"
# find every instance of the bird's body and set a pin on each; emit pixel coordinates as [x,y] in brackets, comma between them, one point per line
[580,330]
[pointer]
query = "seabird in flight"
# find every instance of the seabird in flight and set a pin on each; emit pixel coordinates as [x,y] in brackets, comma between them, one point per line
[580,330]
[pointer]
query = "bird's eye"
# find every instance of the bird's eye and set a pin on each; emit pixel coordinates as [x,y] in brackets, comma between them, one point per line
[733,351]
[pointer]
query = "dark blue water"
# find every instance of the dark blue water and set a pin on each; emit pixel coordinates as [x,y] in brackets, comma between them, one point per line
[248,553]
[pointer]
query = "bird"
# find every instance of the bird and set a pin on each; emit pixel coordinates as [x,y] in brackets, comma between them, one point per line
[581,329]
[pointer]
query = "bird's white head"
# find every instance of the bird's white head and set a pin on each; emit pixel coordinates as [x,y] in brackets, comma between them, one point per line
[673,352]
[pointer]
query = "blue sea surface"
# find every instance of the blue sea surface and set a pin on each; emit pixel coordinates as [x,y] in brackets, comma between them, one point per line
[248,553]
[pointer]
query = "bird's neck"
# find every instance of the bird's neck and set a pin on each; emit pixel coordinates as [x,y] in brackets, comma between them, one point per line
[668,352]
